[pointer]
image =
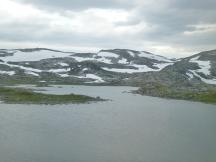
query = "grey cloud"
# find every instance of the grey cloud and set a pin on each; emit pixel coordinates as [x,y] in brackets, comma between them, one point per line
[169,19]
[171,22]
[194,4]
[20,32]
[79,4]
[39,32]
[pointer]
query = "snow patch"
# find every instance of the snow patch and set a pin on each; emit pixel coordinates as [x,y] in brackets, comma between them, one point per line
[190,76]
[154,57]
[81,59]
[85,69]
[42,81]
[22,67]
[59,70]
[63,64]
[205,66]
[142,68]
[64,75]
[32,73]
[131,53]
[123,61]
[107,54]
[162,66]
[104,60]
[95,77]
[8,72]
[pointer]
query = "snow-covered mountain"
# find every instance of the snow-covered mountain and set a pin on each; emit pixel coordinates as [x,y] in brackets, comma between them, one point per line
[117,66]
[100,67]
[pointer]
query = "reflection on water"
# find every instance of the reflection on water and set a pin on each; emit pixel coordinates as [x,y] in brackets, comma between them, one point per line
[130,128]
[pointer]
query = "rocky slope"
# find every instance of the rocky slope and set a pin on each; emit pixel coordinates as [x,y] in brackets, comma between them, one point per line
[196,69]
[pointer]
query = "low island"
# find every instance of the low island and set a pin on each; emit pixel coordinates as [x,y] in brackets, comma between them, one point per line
[26,96]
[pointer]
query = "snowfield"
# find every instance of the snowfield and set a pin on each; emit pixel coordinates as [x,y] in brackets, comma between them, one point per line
[34,56]
[8,72]
[107,54]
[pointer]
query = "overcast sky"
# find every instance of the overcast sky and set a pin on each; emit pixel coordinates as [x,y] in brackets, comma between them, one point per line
[173,28]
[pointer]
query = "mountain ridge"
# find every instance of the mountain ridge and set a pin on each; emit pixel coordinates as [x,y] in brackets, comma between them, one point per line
[110,66]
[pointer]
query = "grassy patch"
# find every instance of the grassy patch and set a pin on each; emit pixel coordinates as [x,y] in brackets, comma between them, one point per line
[23,96]
[209,96]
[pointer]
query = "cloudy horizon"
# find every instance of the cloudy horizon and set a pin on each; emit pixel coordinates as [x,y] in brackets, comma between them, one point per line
[173,28]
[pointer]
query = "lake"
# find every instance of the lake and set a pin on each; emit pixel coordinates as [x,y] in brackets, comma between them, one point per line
[127,128]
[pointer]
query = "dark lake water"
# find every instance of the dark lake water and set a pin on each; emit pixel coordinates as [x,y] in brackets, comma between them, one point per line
[130,128]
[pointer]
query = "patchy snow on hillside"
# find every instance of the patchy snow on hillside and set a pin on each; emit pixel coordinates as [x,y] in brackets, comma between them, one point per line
[22,67]
[204,66]
[139,68]
[154,57]
[19,56]
[207,81]
[32,71]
